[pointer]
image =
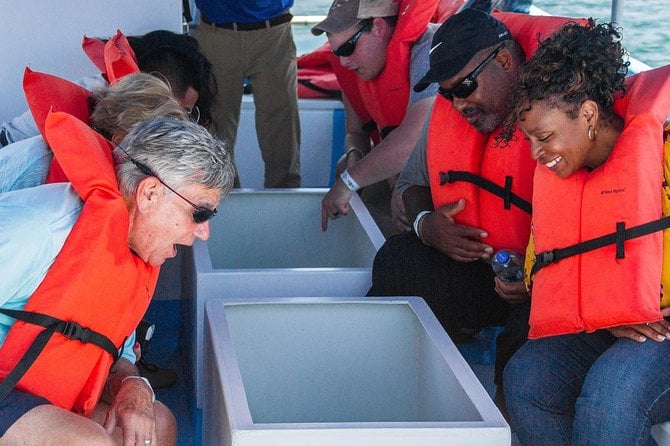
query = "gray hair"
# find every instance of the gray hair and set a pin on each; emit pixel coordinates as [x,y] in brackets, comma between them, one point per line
[179,152]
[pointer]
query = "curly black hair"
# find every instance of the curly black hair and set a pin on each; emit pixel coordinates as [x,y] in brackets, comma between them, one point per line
[577,63]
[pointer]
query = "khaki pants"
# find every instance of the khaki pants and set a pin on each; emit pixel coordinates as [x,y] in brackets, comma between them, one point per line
[267,57]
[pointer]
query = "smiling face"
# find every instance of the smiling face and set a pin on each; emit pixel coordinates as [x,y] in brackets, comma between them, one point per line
[160,219]
[369,56]
[487,106]
[557,141]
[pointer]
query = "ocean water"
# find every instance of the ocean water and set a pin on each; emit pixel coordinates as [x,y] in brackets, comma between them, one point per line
[646,24]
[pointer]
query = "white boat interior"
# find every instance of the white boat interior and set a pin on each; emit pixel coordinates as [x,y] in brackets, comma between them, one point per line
[223,308]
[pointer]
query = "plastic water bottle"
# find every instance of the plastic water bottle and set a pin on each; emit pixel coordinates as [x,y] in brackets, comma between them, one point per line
[507,265]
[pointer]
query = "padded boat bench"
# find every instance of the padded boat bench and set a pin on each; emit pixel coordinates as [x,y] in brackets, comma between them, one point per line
[333,371]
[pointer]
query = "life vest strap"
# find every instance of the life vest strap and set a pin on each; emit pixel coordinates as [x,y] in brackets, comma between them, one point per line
[369,126]
[386,130]
[69,329]
[505,193]
[15,375]
[617,237]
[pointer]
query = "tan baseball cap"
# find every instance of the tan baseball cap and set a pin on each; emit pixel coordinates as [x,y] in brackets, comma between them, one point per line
[345,14]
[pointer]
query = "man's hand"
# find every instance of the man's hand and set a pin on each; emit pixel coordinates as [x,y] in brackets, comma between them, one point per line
[459,242]
[335,203]
[132,411]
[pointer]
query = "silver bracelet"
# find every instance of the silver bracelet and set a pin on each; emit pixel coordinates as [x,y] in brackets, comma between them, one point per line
[417,223]
[351,184]
[146,381]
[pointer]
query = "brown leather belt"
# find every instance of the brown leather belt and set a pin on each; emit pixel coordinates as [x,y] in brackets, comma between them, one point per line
[235,26]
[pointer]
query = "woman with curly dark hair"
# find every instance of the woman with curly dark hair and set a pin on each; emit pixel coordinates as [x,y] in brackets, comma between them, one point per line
[596,368]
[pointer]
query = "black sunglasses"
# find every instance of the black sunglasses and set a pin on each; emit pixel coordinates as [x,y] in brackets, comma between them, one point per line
[348,47]
[200,214]
[468,84]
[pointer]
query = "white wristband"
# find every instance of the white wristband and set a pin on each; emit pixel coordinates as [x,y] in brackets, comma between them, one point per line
[146,381]
[418,218]
[351,184]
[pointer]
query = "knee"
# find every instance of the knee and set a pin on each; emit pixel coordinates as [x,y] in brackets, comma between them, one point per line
[513,375]
[166,425]
[523,382]
[389,258]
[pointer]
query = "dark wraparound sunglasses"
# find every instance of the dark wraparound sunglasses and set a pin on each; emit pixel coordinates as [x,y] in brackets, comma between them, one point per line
[468,84]
[348,47]
[200,214]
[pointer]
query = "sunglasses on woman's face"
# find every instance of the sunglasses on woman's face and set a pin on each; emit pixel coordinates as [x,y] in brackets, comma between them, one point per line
[468,84]
[348,47]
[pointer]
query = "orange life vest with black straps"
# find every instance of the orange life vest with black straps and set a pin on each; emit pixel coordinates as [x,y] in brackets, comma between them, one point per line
[384,99]
[617,284]
[456,151]
[95,281]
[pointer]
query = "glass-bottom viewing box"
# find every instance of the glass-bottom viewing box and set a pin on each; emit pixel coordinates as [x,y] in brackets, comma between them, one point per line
[339,371]
[269,243]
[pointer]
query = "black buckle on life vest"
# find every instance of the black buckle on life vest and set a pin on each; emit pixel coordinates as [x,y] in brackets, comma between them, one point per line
[76,332]
[545,258]
[445,178]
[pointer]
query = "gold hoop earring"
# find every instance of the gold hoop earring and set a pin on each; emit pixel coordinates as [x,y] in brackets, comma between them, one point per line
[592,133]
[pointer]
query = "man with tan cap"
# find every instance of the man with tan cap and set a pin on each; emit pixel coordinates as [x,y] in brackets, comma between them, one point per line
[466,194]
[383,46]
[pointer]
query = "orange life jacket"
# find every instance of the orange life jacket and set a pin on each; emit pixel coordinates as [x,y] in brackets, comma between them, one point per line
[114,58]
[384,99]
[456,149]
[45,92]
[600,288]
[95,281]
[316,78]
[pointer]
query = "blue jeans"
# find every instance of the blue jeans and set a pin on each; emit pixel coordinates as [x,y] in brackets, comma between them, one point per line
[588,389]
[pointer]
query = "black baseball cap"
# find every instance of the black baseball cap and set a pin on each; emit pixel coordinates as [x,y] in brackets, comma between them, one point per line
[457,41]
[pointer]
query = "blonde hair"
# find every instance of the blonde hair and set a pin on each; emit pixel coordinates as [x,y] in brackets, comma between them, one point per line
[133,98]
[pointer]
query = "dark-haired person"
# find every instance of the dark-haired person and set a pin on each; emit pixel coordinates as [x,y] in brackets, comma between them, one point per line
[381,54]
[81,263]
[458,224]
[596,367]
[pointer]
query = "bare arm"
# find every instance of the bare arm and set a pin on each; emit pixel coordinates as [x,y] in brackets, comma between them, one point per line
[388,157]
[384,160]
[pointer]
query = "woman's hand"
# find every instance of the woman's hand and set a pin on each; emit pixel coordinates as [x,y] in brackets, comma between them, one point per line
[512,292]
[658,331]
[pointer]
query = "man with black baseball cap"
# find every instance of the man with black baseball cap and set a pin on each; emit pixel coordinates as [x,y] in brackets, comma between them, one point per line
[382,47]
[458,41]
[465,193]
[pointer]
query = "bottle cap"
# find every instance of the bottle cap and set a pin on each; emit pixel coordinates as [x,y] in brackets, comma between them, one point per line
[502,256]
